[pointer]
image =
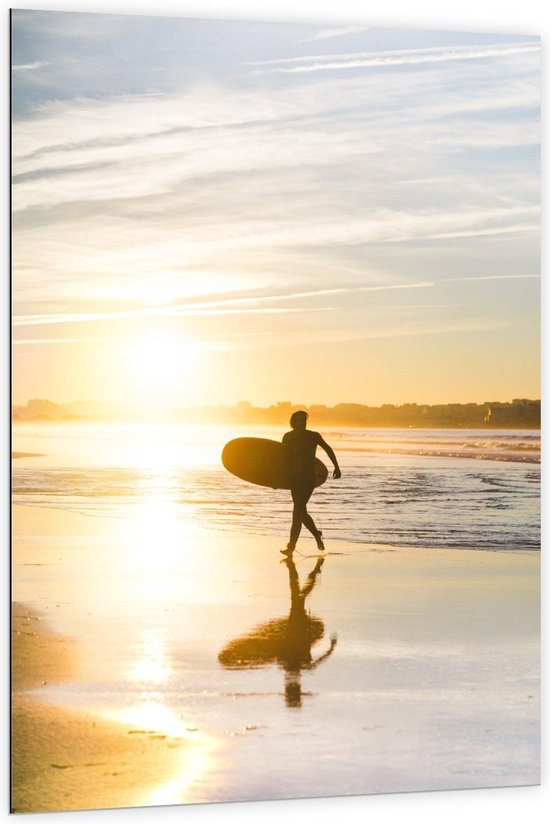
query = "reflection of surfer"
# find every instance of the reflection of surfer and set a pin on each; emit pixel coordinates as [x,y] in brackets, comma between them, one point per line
[286,641]
[301,444]
[301,634]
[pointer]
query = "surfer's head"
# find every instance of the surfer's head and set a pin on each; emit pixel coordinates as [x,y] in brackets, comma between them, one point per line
[293,689]
[298,420]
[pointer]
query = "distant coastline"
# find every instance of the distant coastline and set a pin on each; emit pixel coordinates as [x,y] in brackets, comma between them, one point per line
[521,413]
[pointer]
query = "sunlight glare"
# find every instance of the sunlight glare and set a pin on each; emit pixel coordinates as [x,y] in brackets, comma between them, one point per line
[152,667]
[196,755]
[156,368]
[152,716]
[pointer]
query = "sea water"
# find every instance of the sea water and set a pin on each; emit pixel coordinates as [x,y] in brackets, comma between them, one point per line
[406,487]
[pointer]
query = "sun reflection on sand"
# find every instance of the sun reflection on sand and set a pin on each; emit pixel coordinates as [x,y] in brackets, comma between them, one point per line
[196,763]
[153,667]
[157,542]
[158,534]
[152,718]
[156,553]
[196,760]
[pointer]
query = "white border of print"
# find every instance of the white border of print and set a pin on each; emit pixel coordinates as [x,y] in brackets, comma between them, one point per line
[503,805]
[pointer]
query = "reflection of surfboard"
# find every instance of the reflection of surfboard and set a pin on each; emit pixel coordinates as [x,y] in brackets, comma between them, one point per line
[262,461]
[284,640]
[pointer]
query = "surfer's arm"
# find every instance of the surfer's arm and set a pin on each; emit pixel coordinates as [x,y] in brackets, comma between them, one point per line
[333,640]
[330,452]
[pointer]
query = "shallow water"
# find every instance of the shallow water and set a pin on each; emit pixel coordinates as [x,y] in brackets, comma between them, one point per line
[441,488]
[374,671]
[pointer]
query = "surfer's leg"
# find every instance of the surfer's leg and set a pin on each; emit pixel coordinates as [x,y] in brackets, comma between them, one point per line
[297,515]
[317,534]
[309,523]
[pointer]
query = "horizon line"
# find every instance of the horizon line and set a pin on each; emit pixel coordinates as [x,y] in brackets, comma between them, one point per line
[276,404]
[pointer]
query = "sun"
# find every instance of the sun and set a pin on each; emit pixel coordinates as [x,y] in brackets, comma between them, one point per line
[157,369]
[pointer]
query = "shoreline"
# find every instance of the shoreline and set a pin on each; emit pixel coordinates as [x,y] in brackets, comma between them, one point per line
[99,523]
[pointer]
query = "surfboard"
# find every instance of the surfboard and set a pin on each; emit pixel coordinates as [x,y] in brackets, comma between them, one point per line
[263,462]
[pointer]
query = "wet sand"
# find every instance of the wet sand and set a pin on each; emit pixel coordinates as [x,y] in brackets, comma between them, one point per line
[67,760]
[184,665]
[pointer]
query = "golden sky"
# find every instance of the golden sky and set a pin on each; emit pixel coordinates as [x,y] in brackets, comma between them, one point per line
[207,212]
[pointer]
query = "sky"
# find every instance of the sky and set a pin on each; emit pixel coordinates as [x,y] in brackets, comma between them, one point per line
[213,211]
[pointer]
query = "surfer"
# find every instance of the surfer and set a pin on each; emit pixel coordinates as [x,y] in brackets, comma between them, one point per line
[301,445]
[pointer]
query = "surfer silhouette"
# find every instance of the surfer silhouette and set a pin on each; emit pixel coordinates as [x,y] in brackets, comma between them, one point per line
[285,641]
[303,631]
[301,444]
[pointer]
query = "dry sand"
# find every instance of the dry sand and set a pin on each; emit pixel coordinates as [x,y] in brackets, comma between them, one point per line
[64,760]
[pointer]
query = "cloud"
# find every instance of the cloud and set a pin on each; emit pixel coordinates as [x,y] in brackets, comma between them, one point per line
[285,143]
[111,152]
[229,306]
[83,130]
[147,200]
[491,277]
[29,67]
[175,312]
[328,34]
[46,341]
[498,230]
[371,327]
[406,57]
[250,305]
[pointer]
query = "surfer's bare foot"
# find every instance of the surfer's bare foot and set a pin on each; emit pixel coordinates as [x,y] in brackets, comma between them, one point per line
[289,550]
[319,539]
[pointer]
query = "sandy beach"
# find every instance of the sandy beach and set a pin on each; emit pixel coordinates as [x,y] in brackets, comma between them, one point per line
[158,663]
[67,760]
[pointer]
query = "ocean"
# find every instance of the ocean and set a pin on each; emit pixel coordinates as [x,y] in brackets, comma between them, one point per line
[400,487]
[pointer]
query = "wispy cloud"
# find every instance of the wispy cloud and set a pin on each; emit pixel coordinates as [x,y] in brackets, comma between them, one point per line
[109,150]
[254,304]
[328,34]
[121,342]
[44,320]
[491,277]
[408,57]
[47,341]
[488,232]
[241,305]
[29,67]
